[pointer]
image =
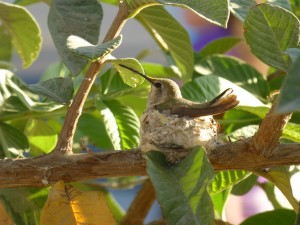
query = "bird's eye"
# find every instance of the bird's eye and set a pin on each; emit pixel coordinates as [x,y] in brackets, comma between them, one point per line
[157,85]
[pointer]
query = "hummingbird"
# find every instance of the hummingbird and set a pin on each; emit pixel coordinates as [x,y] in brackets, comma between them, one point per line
[171,121]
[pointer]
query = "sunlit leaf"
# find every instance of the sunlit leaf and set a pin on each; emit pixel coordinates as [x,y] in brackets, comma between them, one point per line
[74,17]
[282,3]
[236,71]
[121,123]
[219,200]
[171,37]
[24,31]
[58,89]
[181,189]
[215,11]
[280,177]
[269,31]
[66,205]
[83,48]
[42,137]
[205,88]
[129,77]
[226,179]
[292,132]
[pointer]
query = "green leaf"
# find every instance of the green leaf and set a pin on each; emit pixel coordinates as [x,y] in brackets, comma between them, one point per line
[57,69]
[244,186]
[205,88]
[282,3]
[236,71]
[129,77]
[58,89]
[269,31]
[292,132]
[121,123]
[24,31]
[83,48]
[181,189]
[112,86]
[74,17]
[41,136]
[260,111]
[226,179]
[219,201]
[240,8]
[171,37]
[23,208]
[215,11]
[280,177]
[219,46]
[158,70]
[12,141]
[5,45]
[275,217]
[235,119]
[289,99]
[91,126]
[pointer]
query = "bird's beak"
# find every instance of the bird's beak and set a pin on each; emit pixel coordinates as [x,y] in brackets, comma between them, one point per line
[151,80]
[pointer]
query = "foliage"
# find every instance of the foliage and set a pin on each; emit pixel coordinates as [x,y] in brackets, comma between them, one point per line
[189,192]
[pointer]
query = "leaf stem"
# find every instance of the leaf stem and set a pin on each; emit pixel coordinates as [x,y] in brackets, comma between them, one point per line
[65,141]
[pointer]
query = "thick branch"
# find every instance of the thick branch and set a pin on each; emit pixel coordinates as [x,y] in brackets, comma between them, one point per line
[42,171]
[270,130]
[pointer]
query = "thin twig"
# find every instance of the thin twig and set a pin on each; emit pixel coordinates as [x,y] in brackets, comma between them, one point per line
[140,206]
[65,141]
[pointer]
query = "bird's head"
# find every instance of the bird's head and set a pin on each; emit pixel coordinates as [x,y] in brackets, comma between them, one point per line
[162,89]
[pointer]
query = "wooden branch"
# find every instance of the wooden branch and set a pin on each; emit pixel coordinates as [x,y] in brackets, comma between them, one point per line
[65,141]
[140,206]
[48,169]
[270,130]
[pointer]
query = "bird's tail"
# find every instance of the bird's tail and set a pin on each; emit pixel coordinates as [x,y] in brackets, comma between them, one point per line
[223,102]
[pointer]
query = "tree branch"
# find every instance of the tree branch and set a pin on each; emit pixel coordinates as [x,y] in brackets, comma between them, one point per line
[140,206]
[270,130]
[65,141]
[42,171]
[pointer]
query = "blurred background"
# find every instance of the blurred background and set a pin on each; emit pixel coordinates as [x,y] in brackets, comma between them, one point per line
[135,39]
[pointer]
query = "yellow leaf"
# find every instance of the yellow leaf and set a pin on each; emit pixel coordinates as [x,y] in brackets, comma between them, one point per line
[68,206]
[4,217]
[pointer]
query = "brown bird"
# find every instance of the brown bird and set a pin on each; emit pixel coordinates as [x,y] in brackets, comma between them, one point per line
[172,122]
[165,95]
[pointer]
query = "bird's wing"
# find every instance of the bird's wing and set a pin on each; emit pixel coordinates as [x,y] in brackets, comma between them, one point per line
[223,102]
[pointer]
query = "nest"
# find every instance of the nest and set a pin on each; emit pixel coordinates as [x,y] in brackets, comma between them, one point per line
[164,131]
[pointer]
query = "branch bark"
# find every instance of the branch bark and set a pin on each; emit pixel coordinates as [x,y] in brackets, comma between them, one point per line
[270,130]
[48,169]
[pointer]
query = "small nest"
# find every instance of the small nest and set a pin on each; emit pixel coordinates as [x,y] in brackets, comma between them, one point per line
[164,131]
